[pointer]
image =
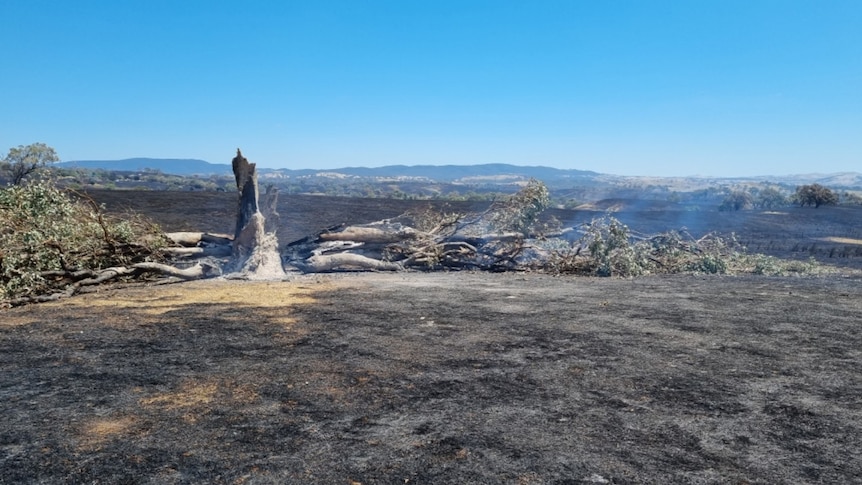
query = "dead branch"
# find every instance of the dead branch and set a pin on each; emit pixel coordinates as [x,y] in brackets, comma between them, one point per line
[371,234]
[215,251]
[346,261]
[85,278]
[200,270]
[192,239]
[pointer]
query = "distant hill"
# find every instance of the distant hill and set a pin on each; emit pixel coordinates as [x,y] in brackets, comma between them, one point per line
[835,180]
[484,174]
[448,173]
[174,166]
[490,173]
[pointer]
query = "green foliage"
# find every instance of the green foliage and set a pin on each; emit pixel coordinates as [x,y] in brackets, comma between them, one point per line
[762,264]
[613,251]
[520,211]
[46,231]
[736,200]
[851,198]
[815,195]
[27,160]
[770,198]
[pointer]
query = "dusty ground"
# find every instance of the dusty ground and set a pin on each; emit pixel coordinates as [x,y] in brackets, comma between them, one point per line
[438,378]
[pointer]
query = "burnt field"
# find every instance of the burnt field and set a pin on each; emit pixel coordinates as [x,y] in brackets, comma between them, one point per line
[438,378]
[832,235]
[455,377]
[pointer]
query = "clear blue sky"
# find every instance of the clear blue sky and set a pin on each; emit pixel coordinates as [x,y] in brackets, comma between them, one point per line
[722,87]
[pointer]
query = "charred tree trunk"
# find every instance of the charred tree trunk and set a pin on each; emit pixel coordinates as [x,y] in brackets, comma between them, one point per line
[255,249]
[246,183]
[269,210]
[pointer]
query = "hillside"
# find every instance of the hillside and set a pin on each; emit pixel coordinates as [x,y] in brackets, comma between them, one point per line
[442,173]
[173,166]
[481,174]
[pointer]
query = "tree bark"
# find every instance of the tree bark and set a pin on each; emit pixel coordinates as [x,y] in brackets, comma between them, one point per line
[192,239]
[346,261]
[255,250]
[246,182]
[370,234]
[199,252]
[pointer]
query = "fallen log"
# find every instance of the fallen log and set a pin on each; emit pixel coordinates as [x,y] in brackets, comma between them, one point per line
[346,261]
[371,234]
[92,278]
[192,239]
[200,270]
[214,251]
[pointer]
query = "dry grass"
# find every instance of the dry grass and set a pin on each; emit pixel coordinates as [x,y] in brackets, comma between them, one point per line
[841,240]
[99,431]
[190,394]
[271,297]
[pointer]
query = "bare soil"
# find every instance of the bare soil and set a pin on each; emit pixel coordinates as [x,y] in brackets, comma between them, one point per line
[438,378]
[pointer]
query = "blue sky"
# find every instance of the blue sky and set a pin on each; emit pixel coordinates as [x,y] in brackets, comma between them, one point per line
[725,87]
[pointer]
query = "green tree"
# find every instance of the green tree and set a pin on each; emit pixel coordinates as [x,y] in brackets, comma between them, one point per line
[26,160]
[851,198]
[815,195]
[736,200]
[770,198]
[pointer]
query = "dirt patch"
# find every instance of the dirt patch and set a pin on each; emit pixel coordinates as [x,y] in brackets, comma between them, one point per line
[841,240]
[438,378]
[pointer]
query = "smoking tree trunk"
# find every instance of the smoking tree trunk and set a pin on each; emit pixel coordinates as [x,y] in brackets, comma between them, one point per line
[255,249]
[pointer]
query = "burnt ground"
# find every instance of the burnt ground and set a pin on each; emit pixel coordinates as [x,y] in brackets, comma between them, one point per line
[832,235]
[438,378]
[448,377]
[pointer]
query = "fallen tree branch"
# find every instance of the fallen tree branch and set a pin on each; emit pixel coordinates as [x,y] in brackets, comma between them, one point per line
[346,261]
[370,234]
[215,251]
[192,239]
[198,271]
[85,278]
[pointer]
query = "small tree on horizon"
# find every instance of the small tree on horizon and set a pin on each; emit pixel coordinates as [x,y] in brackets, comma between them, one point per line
[815,195]
[770,198]
[736,200]
[23,161]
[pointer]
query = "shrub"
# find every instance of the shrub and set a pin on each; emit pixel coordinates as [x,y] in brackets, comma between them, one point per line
[762,264]
[613,251]
[47,233]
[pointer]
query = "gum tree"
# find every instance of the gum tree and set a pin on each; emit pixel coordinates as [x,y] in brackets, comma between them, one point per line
[815,195]
[26,160]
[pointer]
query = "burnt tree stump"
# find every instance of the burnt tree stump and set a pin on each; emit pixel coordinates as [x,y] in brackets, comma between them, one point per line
[255,245]
[246,183]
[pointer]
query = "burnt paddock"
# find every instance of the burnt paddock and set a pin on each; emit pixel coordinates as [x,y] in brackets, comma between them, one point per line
[438,378]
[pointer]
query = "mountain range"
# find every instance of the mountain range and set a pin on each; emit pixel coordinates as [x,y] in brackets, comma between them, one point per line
[482,173]
[443,173]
